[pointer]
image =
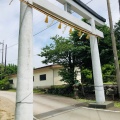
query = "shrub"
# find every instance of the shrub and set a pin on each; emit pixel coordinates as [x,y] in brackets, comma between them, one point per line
[87,89]
[65,90]
[4,84]
[86,76]
[108,71]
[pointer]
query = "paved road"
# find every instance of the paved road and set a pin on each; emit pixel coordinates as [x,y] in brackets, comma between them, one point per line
[57,108]
[43,103]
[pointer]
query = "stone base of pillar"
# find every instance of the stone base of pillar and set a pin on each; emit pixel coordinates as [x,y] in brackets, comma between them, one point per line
[104,105]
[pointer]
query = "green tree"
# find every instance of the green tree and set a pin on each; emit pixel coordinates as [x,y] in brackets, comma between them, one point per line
[108,71]
[105,46]
[8,70]
[117,31]
[72,52]
[117,36]
[2,74]
[11,69]
[86,75]
[60,52]
[5,73]
[106,55]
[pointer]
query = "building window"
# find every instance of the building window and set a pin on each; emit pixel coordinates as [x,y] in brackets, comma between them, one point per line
[11,81]
[43,77]
[33,78]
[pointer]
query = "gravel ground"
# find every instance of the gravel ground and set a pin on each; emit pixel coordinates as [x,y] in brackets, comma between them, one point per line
[7,109]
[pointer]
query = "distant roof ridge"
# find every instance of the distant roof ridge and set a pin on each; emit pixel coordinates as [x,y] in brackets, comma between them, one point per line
[47,66]
[41,67]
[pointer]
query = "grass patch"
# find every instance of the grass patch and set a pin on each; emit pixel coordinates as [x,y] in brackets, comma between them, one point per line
[38,91]
[117,104]
[11,90]
[110,83]
[34,91]
[86,100]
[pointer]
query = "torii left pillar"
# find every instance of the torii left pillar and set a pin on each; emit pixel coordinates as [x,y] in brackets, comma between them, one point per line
[24,96]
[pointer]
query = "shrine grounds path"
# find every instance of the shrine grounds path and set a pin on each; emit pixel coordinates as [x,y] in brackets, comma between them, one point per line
[49,107]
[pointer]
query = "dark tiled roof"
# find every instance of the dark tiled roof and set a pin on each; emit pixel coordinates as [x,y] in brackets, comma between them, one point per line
[89,10]
[49,66]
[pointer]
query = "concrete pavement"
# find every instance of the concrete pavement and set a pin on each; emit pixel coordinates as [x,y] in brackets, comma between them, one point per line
[84,114]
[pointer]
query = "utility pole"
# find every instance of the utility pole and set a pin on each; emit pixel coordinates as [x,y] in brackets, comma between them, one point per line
[2,55]
[2,52]
[2,43]
[119,5]
[5,56]
[114,47]
[1,49]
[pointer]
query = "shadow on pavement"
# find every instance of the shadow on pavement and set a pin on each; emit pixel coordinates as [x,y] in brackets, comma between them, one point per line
[60,110]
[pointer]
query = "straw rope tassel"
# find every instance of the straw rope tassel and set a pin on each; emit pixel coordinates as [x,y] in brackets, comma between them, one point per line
[88,36]
[59,26]
[79,33]
[70,30]
[46,19]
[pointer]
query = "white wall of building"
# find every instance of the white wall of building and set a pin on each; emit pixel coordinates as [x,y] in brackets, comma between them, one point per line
[57,78]
[44,83]
[52,77]
[14,78]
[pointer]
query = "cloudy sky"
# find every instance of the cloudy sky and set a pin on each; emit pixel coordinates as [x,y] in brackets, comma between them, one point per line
[9,26]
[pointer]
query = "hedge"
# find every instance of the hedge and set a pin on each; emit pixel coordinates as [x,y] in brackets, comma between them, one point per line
[4,84]
[64,90]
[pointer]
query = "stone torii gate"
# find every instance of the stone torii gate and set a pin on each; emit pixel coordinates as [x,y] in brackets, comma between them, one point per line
[24,97]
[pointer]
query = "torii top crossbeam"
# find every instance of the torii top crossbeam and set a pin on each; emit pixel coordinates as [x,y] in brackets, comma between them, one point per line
[83,10]
[53,11]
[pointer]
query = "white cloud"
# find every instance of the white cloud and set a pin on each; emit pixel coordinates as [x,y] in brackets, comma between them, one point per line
[9,26]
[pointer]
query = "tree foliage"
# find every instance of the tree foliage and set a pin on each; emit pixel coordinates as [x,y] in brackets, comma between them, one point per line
[117,31]
[105,46]
[86,75]
[108,71]
[5,72]
[71,52]
[8,70]
[117,36]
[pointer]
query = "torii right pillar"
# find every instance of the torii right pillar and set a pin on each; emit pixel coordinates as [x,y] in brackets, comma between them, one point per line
[97,73]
